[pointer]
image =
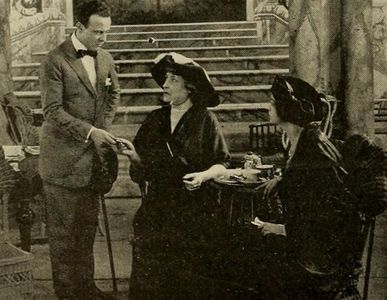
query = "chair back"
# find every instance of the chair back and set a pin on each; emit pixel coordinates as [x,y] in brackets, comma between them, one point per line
[264,138]
[143,189]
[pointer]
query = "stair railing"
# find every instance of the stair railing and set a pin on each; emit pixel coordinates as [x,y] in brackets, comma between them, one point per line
[264,24]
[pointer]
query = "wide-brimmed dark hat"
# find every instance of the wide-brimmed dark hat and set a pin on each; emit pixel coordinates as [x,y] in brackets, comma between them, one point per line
[192,73]
[297,101]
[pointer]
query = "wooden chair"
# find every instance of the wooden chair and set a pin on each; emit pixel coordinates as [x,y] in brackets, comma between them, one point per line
[326,124]
[264,138]
[143,189]
[371,223]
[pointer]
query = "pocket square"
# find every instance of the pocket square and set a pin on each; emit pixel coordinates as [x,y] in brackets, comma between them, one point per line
[108,81]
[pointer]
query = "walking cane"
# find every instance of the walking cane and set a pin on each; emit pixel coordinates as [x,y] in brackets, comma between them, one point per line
[109,244]
[371,238]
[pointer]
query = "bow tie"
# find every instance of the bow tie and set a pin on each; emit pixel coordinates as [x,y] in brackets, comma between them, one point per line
[81,53]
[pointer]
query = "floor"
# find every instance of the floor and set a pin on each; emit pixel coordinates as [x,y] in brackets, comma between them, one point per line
[120,214]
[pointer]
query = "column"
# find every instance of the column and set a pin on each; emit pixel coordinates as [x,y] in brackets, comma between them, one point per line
[5,68]
[250,6]
[358,66]
[330,47]
[69,13]
[314,43]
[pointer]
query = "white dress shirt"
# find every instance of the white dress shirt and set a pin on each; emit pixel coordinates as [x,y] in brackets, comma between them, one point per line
[89,65]
[87,61]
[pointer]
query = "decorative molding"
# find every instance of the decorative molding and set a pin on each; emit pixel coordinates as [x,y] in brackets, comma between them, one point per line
[37,28]
[379,43]
[27,7]
[272,7]
[24,19]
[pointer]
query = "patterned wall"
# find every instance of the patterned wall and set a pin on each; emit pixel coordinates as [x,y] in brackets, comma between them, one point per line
[379,37]
[36,25]
[380,47]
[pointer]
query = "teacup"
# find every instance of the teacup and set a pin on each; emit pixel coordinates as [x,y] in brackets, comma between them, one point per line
[250,174]
[266,171]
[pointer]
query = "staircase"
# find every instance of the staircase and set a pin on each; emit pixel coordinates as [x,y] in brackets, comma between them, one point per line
[240,69]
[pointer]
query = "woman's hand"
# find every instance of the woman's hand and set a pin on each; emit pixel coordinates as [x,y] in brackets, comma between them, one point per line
[127,148]
[193,181]
[270,186]
[271,228]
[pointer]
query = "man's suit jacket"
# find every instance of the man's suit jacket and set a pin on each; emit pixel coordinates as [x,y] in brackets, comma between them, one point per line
[71,106]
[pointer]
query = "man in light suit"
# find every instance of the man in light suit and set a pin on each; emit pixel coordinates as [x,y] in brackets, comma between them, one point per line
[80,92]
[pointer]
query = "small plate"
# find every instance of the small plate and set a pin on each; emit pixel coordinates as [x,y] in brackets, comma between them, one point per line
[33,150]
[235,182]
[264,167]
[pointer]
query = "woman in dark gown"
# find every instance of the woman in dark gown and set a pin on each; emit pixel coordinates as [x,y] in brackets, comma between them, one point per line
[177,149]
[321,224]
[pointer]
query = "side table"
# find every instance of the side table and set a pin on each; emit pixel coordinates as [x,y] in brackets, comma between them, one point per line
[240,202]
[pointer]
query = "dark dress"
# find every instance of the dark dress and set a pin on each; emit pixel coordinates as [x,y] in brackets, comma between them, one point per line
[174,228]
[322,225]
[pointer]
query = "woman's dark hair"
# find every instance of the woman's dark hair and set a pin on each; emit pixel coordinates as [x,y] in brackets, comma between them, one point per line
[92,7]
[296,101]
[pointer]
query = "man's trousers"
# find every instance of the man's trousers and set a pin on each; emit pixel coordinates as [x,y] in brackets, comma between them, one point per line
[72,219]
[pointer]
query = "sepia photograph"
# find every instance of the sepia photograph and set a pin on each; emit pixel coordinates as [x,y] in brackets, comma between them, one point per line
[193,149]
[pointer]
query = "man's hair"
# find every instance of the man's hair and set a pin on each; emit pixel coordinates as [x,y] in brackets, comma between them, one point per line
[86,8]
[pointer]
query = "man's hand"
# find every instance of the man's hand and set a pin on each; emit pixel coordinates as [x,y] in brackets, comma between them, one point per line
[101,137]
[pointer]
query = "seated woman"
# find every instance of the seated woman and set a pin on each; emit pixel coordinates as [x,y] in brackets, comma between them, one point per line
[320,223]
[178,148]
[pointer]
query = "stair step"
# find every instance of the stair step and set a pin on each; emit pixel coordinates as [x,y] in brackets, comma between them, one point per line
[218,78]
[248,112]
[380,111]
[181,42]
[26,83]
[245,112]
[256,62]
[29,98]
[181,34]
[235,133]
[178,26]
[193,52]
[209,63]
[227,94]
[145,80]
[25,69]
[153,96]
[112,36]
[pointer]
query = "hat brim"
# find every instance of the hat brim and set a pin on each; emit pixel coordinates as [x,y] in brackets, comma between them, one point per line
[288,90]
[193,74]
